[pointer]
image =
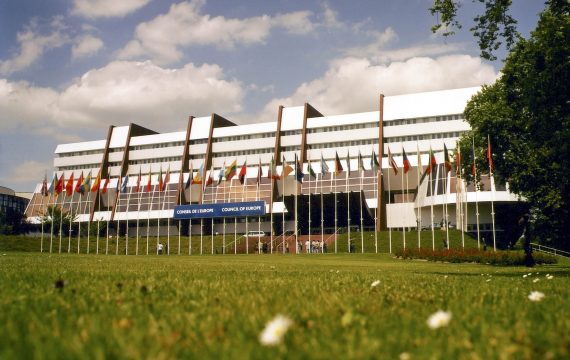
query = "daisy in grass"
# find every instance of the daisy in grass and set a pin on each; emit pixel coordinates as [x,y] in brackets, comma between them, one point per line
[375,283]
[439,319]
[275,330]
[535,296]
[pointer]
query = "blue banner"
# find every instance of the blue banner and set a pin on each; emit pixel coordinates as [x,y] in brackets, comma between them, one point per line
[235,209]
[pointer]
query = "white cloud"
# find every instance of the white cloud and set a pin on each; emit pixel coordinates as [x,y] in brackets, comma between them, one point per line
[30,171]
[33,44]
[120,93]
[106,8]
[353,84]
[85,46]
[164,37]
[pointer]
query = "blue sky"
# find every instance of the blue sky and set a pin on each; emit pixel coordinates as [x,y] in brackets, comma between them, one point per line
[71,68]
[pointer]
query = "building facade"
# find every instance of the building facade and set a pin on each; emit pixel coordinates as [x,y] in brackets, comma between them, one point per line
[136,176]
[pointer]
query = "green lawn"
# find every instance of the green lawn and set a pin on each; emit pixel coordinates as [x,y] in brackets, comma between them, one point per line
[208,306]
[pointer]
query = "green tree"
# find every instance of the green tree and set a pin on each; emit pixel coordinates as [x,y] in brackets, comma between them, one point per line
[526,114]
[54,216]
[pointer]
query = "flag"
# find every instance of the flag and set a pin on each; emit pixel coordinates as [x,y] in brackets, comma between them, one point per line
[272,172]
[44,190]
[86,184]
[210,180]
[221,173]
[138,185]
[58,188]
[405,161]
[242,173]
[197,179]
[149,180]
[166,179]
[298,170]
[189,181]
[432,162]
[231,170]
[53,184]
[259,172]
[311,171]
[374,164]
[106,184]
[69,185]
[97,182]
[78,188]
[124,183]
[457,159]
[490,157]
[348,162]
[287,169]
[337,165]
[160,179]
[360,162]
[324,166]
[392,162]
[446,160]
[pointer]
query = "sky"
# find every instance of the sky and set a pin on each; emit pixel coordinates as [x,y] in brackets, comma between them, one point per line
[71,68]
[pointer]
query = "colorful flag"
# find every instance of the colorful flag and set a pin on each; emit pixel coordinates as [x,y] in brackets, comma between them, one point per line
[78,187]
[124,183]
[287,169]
[405,161]
[138,185]
[392,162]
[272,172]
[69,186]
[298,170]
[490,157]
[432,162]
[197,179]
[337,165]
[166,179]
[311,171]
[360,162]
[53,184]
[97,182]
[58,188]
[324,166]
[189,181]
[210,180]
[242,173]
[374,164]
[259,172]
[149,180]
[86,184]
[446,160]
[457,159]
[106,184]
[44,190]
[231,170]
[160,179]
[221,173]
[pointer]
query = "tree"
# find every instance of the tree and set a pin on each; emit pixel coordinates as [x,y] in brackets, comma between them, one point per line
[526,114]
[12,222]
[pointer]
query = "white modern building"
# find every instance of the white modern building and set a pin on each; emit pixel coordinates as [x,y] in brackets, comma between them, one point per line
[360,199]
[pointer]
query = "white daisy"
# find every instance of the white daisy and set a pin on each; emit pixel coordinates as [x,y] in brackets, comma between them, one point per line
[524,276]
[275,330]
[535,296]
[536,280]
[439,319]
[550,277]
[375,283]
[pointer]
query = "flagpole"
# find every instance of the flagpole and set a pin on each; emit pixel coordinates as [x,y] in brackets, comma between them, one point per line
[403,197]
[335,210]
[348,198]
[55,183]
[375,174]
[129,192]
[70,219]
[419,213]
[431,205]
[474,172]
[78,213]
[309,181]
[270,211]
[297,206]
[139,200]
[150,205]
[108,215]
[61,218]
[389,202]
[191,175]
[361,166]
[283,210]
[224,223]
[322,211]
[87,206]
[492,178]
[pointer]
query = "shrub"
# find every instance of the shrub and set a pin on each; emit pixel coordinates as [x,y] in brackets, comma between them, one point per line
[509,258]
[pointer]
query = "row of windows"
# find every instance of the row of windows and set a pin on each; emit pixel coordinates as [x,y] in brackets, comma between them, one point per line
[78,167]
[81,153]
[397,139]
[155,160]
[344,127]
[226,154]
[343,144]
[291,132]
[423,120]
[244,137]
[157,146]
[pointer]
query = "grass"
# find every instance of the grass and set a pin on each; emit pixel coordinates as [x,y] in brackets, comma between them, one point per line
[164,307]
